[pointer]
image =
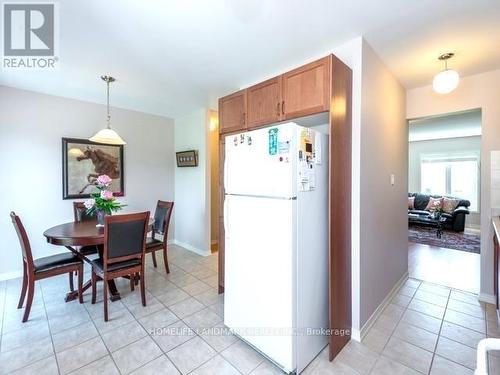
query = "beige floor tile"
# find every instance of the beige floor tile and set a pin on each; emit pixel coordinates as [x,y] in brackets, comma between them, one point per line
[386,323]
[187,307]
[333,368]
[394,311]
[213,281]
[159,319]
[81,355]
[408,354]
[205,318]
[242,357]
[267,368]
[386,366]
[173,296]
[412,283]
[435,289]
[407,291]
[427,308]
[25,335]
[358,357]
[123,336]
[191,355]
[456,352]
[218,337]
[172,336]
[465,297]
[116,319]
[494,365]
[217,365]
[461,334]
[46,366]
[196,288]
[209,297]
[465,320]
[442,366]
[401,300]
[25,355]
[420,320]
[152,306]
[430,297]
[376,340]
[74,336]
[135,355]
[416,336]
[103,366]
[160,366]
[467,308]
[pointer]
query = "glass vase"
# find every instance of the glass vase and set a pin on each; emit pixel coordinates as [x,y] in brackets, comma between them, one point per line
[100,214]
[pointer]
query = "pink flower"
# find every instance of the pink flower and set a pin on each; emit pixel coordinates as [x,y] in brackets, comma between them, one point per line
[89,203]
[107,195]
[104,180]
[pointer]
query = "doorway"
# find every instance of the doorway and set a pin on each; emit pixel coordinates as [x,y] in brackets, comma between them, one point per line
[213,146]
[444,182]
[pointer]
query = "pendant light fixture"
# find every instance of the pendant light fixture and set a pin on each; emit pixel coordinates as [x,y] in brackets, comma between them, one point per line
[107,135]
[447,80]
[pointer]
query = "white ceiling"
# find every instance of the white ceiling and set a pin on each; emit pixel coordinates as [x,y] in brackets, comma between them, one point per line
[173,56]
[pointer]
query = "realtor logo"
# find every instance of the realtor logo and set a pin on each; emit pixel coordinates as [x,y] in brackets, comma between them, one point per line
[29,35]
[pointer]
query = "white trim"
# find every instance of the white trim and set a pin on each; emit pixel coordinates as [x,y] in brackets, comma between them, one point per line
[10,275]
[487,298]
[189,247]
[358,335]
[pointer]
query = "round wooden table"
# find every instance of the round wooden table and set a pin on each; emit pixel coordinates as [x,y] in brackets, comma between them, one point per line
[73,236]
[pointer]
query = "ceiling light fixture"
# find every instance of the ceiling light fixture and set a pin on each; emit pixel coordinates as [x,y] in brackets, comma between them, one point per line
[107,135]
[446,81]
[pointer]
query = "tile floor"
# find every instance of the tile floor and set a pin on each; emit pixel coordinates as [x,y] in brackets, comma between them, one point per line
[426,329]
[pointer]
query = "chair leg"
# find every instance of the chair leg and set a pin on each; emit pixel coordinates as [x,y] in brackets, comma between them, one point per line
[105,290]
[24,287]
[93,282]
[132,282]
[136,278]
[71,286]
[165,260]
[143,287]
[153,254]
[29,301]
[80,283]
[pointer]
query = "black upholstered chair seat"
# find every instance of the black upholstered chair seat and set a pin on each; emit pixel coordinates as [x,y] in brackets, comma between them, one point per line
[55,261]
[87,250]
[97,263]
[153,243]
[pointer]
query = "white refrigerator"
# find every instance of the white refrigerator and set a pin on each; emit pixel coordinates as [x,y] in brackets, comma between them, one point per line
[276,242]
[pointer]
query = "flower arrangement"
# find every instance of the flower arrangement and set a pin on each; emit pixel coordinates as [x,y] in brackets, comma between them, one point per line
[437,209]
[102,202]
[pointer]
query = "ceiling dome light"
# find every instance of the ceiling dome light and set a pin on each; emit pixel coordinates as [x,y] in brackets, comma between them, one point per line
[447,80]
[107,135]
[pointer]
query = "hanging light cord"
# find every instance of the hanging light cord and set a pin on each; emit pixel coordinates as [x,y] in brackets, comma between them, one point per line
[109,117]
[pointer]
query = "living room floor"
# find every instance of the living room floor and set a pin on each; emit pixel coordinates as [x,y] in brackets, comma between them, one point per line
[452,268]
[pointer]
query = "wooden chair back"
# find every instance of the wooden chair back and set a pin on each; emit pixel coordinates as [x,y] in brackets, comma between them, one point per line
[163,212]
[23,239]
[124,237]
[80,212]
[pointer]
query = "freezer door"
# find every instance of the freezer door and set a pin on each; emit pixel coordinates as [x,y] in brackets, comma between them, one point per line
[261,162]
[259,282]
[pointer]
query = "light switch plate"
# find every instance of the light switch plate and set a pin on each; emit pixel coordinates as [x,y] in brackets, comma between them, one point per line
[393,180]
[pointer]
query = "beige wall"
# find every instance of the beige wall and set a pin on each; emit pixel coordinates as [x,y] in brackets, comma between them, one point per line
[476,91]
[214,174]
[31,128]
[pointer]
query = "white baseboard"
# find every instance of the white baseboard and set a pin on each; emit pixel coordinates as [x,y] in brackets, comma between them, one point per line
[358,335]
[10,275]
[487,298]
[189,247]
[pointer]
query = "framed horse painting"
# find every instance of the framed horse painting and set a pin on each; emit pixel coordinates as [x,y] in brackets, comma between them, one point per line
[84,161]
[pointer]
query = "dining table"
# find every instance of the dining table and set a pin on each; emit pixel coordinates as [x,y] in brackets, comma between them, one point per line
[76,235]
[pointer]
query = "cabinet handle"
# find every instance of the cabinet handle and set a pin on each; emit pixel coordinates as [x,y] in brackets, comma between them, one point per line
[278,108]
[283,107]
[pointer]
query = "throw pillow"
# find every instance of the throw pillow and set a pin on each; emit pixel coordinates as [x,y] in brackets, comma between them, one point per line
[433,203]
[411,203]
[449,205]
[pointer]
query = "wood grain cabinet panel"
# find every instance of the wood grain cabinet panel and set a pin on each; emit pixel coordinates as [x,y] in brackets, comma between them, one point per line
[306,90]
[264,102]
[232,112]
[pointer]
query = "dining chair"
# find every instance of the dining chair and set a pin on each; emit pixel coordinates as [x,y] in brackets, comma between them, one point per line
[42,268]
[163,212]
[80,215]
[123,253]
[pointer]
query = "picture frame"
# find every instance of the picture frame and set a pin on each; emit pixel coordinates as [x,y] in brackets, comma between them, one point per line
[187,158]
[83,161]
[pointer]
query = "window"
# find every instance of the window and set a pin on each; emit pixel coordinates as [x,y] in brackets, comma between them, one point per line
[453,176]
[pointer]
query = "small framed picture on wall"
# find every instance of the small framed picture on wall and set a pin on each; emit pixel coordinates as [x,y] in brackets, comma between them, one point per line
[187,158]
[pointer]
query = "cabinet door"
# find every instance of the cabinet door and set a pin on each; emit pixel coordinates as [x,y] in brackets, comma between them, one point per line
[306,90]
[264,102]
[232,112]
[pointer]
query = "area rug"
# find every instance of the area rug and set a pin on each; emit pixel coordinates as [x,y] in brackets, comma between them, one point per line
[452,240]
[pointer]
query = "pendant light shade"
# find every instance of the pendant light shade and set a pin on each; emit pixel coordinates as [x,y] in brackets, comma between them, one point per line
[107,135]
[446,81]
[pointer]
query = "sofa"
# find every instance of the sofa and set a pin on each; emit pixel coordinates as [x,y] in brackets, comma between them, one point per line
[454,221]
